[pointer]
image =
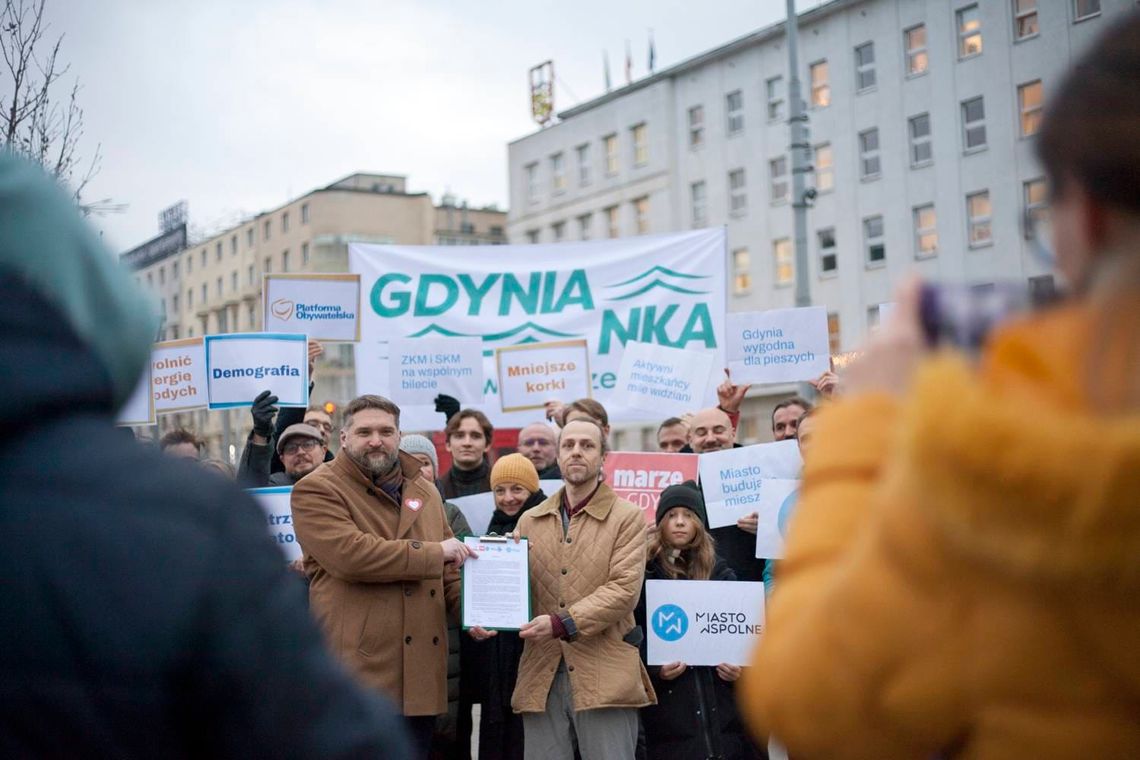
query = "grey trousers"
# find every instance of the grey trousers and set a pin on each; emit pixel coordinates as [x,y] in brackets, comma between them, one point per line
[609,733]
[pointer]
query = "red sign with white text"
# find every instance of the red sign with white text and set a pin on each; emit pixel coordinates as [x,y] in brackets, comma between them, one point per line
[640,477]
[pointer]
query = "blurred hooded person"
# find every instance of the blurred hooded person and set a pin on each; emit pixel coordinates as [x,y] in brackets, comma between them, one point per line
[145,611]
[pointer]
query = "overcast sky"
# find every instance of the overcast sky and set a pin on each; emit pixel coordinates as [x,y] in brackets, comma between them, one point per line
[237,106]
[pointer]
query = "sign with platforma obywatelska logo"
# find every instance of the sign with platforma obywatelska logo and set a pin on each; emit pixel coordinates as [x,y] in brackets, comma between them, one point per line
[667,290]
[703,622]
[325,307]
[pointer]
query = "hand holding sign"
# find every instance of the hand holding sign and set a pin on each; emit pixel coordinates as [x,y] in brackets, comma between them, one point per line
[730,395]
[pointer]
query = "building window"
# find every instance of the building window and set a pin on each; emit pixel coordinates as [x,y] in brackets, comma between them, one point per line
[1029,106]
[820,89]
[249,235]
[696,126]
[737,192]
[558,231]
[734,112]
[162,275]
[174,270]
[250,274]
[174,303]
[285,260]
[974,124]
[833,337]
[778,174]
[233,245]
[189,263]
[557,173]
[219,287]
[189,298]
[865,67]
[304,213]
[1083,9]
[234,281]
[741,272]
[640,134]
[251,317]
[874,245]
[150,280]
[921,147]
[828,255]
[969,31]
[698,195]
[785,270]
[775,90]
[268,265]
[613,227]
[304,254]
[641,214]
[532,236]
[824,168]
[611,145]
[285,222]
[1025,19]
[915,43]
[978,215]
[204,259]
[583,152]
[531,170]
[584,226]
[925,231]
[218,250]
[869,165]
[1035,201]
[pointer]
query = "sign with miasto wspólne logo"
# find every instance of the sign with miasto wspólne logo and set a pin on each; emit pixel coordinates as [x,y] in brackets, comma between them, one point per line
[667,290]
[703,622]
[325,307]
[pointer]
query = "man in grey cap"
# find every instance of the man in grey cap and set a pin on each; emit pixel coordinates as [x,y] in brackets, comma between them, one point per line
[302,449]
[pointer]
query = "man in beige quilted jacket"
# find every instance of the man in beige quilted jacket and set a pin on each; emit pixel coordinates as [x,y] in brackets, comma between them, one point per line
[581,676]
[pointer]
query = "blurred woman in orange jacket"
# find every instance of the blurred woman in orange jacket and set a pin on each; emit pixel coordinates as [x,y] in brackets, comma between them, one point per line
[962,578]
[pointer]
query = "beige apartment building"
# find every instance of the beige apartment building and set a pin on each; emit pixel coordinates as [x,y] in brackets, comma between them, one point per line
[213,285]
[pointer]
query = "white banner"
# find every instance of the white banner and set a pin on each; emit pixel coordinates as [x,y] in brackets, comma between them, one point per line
[703,622]
[775,509]
[421,369]
[778,346]
[663,382]
[279,518]
[239,366]
[668,290]
[532,374]
[323,306]
[178,375]
[139,408]
[732,480]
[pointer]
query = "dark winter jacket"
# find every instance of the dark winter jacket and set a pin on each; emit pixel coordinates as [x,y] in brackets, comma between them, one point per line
[695,716]
[457,483]
[146,614]
[445,725]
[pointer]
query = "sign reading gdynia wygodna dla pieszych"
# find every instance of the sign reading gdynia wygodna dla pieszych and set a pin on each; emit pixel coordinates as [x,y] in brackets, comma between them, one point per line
[778,345]
[665,290]
[703,622]
[178,375]
[239,366]
[325,307]
[533,373]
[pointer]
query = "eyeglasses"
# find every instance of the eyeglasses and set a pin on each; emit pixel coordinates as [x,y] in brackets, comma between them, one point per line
[294,446]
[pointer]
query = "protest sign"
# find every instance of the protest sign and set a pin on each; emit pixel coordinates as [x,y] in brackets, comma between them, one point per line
[275,502]
[640,477]
[532,374]
[732,480]
[668,290]
[139,407]
[178,369]
[424,368]
[241,365]
[775,509]
[662,381]
[322,306]
[777,346]
[703,622]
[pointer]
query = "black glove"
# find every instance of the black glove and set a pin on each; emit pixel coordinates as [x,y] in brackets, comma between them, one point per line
[448,406]
[263,412]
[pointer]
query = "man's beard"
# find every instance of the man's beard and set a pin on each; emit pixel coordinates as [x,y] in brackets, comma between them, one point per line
[301,470]
[578,477]
[377,465]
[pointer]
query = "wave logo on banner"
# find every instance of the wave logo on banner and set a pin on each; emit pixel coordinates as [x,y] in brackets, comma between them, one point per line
[787,509]
[282,308]
[670,622]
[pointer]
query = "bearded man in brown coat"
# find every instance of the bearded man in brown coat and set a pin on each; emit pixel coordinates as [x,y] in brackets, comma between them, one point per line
[376,545]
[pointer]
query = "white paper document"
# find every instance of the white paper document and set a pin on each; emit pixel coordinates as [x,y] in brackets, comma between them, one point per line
[496,586]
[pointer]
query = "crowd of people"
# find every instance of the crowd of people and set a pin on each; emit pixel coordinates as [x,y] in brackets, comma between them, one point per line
[959,581]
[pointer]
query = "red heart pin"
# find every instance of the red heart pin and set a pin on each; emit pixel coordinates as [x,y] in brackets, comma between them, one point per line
[413,504]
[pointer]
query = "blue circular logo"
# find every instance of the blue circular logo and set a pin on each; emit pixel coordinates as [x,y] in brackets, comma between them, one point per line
[670,622]
[787,509]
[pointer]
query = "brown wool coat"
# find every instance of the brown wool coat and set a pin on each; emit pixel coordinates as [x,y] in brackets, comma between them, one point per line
[595,575]
[376,571]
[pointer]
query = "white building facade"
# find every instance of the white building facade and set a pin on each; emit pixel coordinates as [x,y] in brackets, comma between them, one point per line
[921,116]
